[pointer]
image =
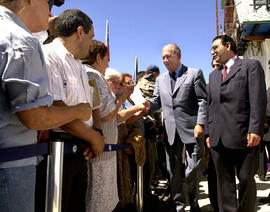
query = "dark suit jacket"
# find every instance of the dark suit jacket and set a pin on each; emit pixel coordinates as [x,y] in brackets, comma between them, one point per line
[185,106]
[237,105]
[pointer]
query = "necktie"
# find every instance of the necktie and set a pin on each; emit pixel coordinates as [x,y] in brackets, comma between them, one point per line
[224,73]
[173,80]
[173,75]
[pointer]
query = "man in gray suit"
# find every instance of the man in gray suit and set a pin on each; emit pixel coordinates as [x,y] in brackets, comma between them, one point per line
[181,93]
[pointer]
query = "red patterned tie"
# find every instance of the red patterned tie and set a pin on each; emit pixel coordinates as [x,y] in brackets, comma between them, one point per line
[224,73]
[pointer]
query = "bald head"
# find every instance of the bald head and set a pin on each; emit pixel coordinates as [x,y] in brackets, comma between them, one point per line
[171,55]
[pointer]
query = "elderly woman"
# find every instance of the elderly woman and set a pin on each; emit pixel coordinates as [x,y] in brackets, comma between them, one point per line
[127,115]
[102,194]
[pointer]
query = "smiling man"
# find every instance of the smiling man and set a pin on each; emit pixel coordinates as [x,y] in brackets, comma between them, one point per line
[237,104]
[181,93]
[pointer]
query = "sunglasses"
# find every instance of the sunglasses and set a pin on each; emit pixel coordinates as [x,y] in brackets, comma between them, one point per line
[57,3]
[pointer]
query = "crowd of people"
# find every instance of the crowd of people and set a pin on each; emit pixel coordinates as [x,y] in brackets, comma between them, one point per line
[57,84]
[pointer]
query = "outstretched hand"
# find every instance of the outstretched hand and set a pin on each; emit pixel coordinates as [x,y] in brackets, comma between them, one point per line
[147,106]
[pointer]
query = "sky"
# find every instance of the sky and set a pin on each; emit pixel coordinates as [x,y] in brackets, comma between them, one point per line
[142,27]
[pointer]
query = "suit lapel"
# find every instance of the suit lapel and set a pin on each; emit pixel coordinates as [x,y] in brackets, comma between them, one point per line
[217,78]
[168,82]
[234,69]
[181,79]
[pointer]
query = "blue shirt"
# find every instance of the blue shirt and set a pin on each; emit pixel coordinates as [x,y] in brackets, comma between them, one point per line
[24,83]
[177,72]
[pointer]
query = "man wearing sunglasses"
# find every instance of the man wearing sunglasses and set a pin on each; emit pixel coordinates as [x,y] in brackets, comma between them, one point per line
[25,104]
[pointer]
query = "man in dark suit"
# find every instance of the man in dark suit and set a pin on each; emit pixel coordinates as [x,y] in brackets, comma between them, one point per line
[181,93]
[236,108]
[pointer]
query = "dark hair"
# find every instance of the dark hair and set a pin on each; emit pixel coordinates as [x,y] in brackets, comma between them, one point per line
[216,64]
[140,74]
[225,39]
[68,22]
[123,77]
[96,48]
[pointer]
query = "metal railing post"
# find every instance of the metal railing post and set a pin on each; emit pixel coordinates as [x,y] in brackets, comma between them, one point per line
[139,196]
[54,177]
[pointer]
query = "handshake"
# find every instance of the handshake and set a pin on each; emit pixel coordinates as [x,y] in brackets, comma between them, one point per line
[144,107]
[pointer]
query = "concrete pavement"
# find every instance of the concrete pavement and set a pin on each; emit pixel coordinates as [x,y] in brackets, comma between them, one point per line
[263,189]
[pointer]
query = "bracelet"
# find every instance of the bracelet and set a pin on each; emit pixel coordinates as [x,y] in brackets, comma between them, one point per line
[99,130]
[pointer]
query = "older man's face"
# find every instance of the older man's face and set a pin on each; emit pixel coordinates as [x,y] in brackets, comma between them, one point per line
[170,59]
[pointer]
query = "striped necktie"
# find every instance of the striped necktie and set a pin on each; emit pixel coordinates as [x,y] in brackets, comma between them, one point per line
[224,73]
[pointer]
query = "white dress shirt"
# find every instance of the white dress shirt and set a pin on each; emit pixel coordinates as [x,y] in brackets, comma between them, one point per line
[230,63]
[68,80]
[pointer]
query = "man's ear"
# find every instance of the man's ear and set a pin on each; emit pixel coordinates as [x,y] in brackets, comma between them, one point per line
[98,58]
[228,45]
[178,55]
[80,32]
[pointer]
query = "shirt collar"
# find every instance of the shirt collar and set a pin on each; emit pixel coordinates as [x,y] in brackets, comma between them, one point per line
[61,49]
[177,71]
[230,62]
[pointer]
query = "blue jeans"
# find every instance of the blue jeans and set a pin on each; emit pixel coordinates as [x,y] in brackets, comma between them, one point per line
[17,189]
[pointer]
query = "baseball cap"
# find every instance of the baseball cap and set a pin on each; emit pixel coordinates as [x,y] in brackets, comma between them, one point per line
[151,69]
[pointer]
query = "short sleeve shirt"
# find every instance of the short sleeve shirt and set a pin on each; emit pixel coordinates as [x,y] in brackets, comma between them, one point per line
[68,80]
[24,83]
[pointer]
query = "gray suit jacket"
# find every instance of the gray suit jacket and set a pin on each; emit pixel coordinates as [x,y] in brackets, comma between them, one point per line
[183,108]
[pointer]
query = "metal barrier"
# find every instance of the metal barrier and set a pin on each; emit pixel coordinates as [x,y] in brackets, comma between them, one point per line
[139,195]
[54,177]
[55,151]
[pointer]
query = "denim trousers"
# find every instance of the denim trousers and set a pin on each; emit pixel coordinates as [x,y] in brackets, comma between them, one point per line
[17,189]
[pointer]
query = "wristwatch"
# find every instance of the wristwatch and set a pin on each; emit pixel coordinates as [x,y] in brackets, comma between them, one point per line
[99,130]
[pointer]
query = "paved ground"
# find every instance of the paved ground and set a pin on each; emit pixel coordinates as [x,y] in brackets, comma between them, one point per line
[161,201]
[263,189]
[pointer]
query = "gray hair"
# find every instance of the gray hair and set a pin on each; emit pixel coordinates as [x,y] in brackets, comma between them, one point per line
[111,73]
[176,49]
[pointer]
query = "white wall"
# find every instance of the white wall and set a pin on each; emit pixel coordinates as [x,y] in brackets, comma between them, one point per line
[261,52]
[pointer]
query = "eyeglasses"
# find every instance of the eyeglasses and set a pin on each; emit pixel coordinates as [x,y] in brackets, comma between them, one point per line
[58,3]
[113,81]
[131,82]
[214,47]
